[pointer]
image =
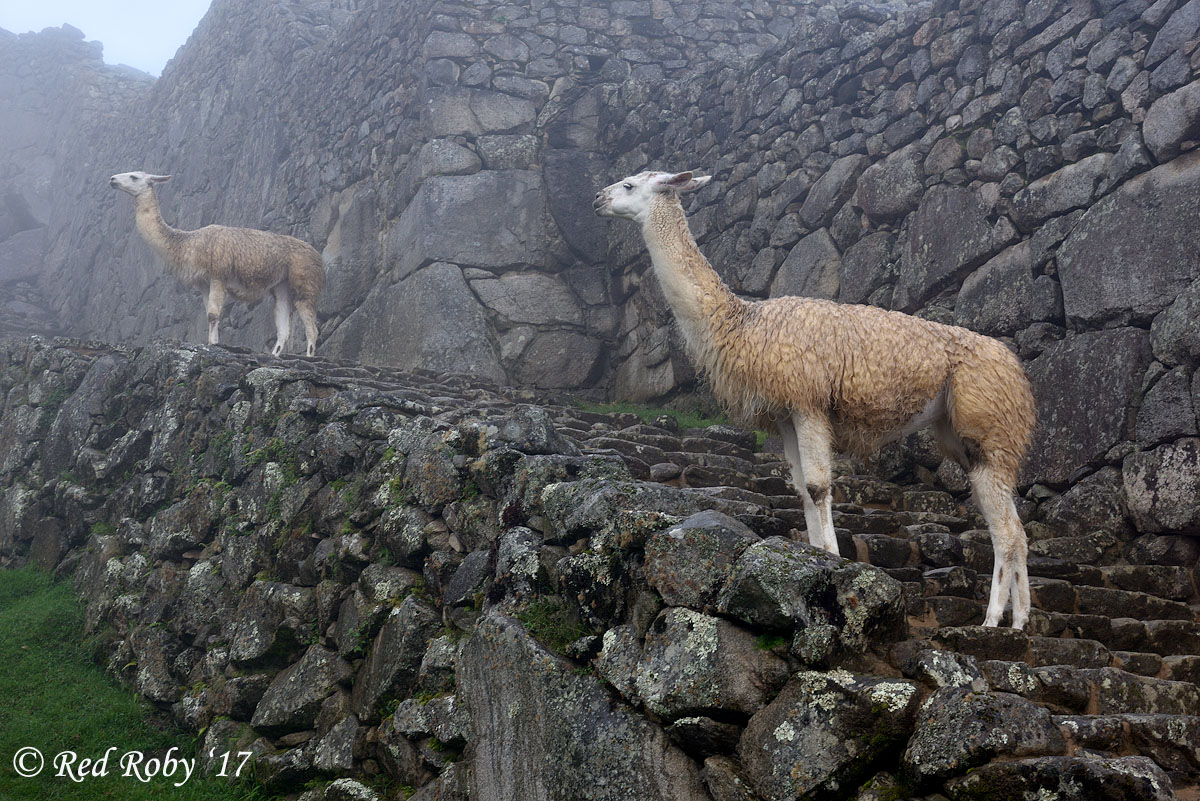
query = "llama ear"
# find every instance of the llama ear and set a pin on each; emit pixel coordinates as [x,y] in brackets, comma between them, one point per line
[158,179]
[684,182]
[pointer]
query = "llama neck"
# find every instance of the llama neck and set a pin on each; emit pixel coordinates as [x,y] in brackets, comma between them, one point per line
[700,300]
[151,226]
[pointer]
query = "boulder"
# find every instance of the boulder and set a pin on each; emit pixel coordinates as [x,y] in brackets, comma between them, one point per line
[1072,187]
[1131,255]
[810,269]
[864,266]
[1087,389]
[824,734]
[294,697]
[687,564]
[997,299]
[543,731]
[832,190]
[392,666]
[958,729]
[1077,778]
[694,664]
[430,320]
[889,189]
[948,236]
[1162,487]
[1175,333]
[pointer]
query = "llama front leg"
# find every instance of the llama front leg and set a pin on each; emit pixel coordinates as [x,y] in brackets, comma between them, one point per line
[1010,574]
[216,300]
[283,317]
[806,445]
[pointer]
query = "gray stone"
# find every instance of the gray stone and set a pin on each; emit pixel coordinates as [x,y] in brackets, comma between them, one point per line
[442,44]
[473,112]
[559,360]
[572,178]
[1129,256]
[1095,503]
[1087,388]
[997,299]
[534,298]
[864,266]
[430,320]
[293,700]
[1175,333]
[21,256]
[811,269]
[495,219]
[947,237]
[1162,487]
[832,190]
[957,729]
[687,564]
[1179,28]
[1072,187]
[539,724]
[1171,120]
[1076,778]
[1166,412]
[812,740]
[890,189]
[391,668]
[694,664]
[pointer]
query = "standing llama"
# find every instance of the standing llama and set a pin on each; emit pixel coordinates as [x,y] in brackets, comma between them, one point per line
[241,262]
[827,375]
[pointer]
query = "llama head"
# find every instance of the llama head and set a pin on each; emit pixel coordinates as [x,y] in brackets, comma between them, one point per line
[136,183]
[632,197]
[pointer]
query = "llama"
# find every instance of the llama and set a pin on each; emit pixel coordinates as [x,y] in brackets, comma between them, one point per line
[243,263]
[826,375]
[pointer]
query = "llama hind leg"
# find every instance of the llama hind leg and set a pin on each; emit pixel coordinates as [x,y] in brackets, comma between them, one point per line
[806,445]
[308,316]
[283,317]
[1010,575]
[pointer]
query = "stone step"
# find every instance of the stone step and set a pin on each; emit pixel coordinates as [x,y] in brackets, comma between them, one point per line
[1165,581]
[1095,691]
[1045,651]
[1172,741]
[1126,603]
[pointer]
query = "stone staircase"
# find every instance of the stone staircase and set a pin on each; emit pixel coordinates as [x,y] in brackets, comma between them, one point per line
[1112,648]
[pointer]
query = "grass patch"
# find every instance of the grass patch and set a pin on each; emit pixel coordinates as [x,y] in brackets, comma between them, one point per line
[648,414]
[552,622]
[57,699]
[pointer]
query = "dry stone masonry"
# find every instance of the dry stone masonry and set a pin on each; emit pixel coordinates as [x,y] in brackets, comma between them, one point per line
[376,580]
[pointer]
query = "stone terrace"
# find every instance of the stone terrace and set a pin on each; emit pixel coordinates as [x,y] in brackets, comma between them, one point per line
[357,572]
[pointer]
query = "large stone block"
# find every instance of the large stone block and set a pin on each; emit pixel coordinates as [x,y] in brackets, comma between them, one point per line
[543,731]
[1162,487]
[948,236]
[472,112]
[1072,187]
[1172,119]
[1087,389]
[832,190]
[21,256]
[890,189]
[430,320]
[494,219]
[534,298]
[810,270]
[1133,251]
[997,299]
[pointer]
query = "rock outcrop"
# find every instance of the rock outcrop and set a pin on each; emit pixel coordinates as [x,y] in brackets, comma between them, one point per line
[372,579]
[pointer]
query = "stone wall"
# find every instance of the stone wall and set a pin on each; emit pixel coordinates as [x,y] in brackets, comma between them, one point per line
[382,584]
[1022,169]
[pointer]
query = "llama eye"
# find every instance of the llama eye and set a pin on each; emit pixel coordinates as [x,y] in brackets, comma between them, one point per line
[137,178]
[628,187]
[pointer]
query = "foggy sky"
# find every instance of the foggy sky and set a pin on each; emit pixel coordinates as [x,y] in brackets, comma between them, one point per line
[141,33]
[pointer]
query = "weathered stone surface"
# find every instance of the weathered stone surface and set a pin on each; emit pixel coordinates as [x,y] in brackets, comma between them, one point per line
[494,219]
[948,236]
[890,189]
[567,737]
[1175,333]
[294,698]
[693,664]
[1068,778]
[957,729]
[1128,258]
[1171,120]
[997,299]
[21,256]
[534,298]
[1095,503]
[687,564]
[430,320]
[395,657]
[824,732]
[1087,388]
[810,270]
[832,190]
[1072,187]
[864,266]
[1162,487]
[471,112]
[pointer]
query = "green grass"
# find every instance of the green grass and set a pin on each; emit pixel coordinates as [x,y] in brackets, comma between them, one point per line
[55,698]
[648,414]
